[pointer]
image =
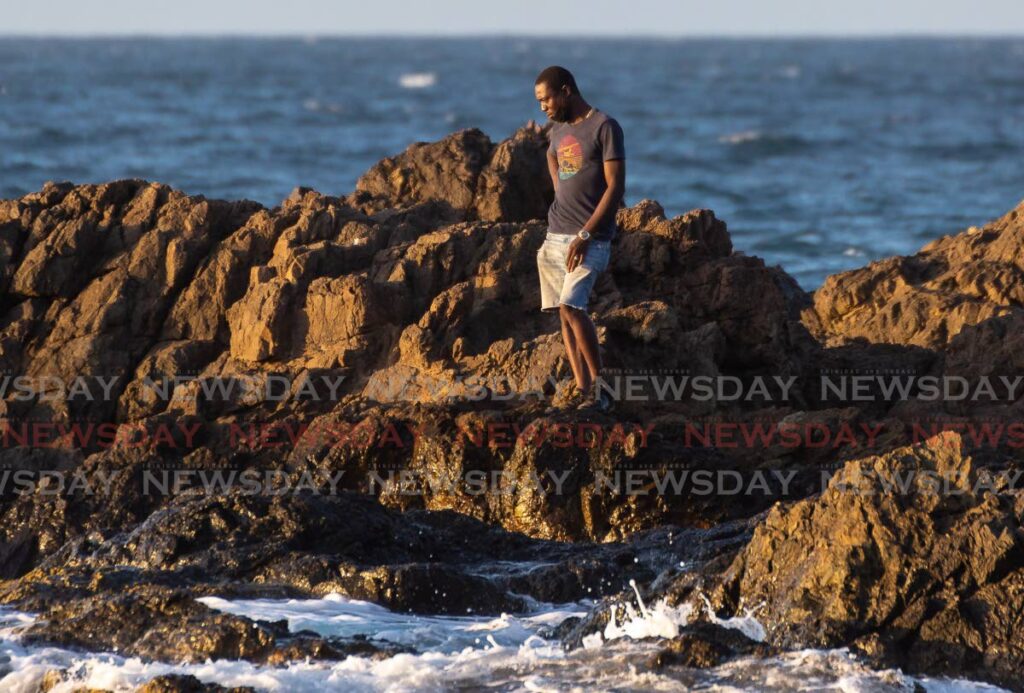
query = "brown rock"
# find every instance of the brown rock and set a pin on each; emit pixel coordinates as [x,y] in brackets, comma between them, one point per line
[467,172]
[932,568]
[926,299]
[516,185]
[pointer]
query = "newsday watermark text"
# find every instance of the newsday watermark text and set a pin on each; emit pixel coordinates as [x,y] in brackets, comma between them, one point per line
[169,480]
[828,387]
[759,434]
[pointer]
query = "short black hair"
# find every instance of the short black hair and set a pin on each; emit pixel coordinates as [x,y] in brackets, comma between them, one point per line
[557,77]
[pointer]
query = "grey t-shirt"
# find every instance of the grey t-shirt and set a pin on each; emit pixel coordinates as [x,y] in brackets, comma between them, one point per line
[581,150]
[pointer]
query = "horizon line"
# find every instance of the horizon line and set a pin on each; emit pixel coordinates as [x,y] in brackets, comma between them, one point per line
[316,36]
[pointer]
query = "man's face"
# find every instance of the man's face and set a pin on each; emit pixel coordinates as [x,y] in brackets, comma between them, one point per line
[555,104]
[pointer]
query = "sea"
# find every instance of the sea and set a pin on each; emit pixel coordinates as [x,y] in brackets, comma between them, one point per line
[820,154]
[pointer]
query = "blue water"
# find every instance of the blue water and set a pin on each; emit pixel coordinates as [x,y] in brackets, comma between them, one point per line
[820,154]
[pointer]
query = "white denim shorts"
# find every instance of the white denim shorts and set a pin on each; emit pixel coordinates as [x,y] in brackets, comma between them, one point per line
[557,286]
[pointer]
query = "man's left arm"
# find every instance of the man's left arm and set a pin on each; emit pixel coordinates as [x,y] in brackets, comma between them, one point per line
[615,178]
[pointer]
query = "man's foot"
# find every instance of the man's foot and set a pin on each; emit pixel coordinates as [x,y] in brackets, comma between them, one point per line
[596,402]
[567,396]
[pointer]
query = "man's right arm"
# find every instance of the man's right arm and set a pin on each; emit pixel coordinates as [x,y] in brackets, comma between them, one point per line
[553,169]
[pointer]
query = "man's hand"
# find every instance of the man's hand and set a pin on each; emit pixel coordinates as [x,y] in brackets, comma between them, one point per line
[577,251]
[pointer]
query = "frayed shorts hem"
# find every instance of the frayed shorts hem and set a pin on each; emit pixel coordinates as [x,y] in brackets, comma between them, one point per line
[559,287]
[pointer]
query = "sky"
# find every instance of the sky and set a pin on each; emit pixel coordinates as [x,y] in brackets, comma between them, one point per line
[537,17]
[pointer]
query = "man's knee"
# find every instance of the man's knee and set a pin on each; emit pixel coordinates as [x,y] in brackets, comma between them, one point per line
[569,313]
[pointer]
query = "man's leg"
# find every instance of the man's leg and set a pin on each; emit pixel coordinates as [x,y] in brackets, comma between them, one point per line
[572,349]
[581,346]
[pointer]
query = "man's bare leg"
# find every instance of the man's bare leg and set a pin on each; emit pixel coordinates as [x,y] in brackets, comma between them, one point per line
[577,326]
[572,350]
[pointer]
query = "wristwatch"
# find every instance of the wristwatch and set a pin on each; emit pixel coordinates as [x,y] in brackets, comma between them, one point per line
[584,235]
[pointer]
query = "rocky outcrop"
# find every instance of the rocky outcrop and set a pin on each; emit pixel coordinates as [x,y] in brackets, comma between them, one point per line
[915,557]
[309,545]
[473,177]
[195,309]
[160,623]
[926,299]
[404,318]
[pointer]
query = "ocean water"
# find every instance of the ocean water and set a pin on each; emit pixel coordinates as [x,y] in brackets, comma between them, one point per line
[504,653]
[820,154]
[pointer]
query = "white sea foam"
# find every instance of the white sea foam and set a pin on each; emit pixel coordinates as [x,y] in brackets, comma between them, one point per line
[417,80]
[660,621]
[340,616]
[746,624]
[505,652]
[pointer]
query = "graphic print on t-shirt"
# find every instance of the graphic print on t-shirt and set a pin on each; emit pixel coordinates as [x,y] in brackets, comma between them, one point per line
[570,157]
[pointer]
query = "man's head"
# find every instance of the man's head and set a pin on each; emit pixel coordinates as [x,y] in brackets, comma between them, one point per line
[555,90]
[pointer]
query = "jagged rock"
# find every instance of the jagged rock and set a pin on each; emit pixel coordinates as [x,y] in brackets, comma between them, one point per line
[157,375]
[199,313]
[515,184]
[467,172]
[313,545]
[926,299]
[446,170]
[687,263]
[932,573]
[118,254]
[992,349]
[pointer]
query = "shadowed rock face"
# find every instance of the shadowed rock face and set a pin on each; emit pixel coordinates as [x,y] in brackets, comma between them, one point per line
[410,310]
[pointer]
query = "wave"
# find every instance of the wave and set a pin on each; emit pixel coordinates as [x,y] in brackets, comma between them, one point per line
[741,137]
[317,106]
[759,142]
[417,80]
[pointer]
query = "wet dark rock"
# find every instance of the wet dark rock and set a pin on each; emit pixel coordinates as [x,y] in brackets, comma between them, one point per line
[307,644]
[186,683]
[153,623]
[702,556]
[704,645]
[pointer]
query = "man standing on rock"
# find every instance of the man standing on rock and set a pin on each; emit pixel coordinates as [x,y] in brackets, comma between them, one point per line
[586,160]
